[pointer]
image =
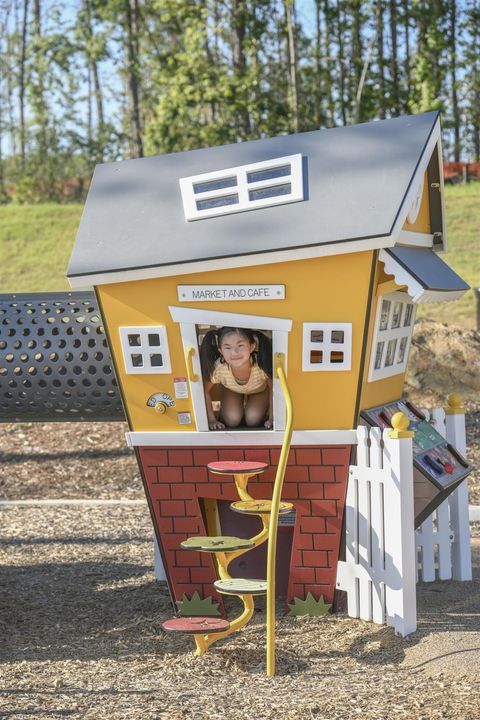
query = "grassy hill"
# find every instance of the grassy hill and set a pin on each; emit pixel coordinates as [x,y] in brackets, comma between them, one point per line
[35,246]
[36,241]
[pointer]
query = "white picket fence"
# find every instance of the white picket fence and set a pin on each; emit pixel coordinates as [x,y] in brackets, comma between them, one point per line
[384,555]
[443,540]
[378,573]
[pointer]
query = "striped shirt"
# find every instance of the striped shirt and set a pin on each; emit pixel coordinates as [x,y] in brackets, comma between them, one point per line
[256,383]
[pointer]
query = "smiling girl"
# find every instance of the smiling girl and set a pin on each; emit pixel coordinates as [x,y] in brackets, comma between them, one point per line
[240,362]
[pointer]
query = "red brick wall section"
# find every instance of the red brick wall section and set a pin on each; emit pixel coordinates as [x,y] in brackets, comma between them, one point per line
[315,482]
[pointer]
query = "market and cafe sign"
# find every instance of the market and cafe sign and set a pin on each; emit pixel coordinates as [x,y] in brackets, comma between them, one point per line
[202,293]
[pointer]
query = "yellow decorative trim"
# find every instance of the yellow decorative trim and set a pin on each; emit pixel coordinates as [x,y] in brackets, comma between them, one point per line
[455,403]
[279,362]
[192,375]
[387,287]
[400,423]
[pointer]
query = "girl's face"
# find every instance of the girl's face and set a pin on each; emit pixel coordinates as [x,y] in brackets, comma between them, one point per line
[236,350]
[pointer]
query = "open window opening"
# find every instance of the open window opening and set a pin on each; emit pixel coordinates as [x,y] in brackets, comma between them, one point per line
[237,370]
[195,322]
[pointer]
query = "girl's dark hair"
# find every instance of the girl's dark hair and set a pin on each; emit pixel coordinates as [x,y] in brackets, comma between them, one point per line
[209,352]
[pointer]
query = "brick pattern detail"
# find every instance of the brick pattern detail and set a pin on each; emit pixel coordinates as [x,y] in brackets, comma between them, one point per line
[315,482]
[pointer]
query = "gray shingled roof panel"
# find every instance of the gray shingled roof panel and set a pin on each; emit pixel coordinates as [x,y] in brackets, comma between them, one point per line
[357,180]
[427,268]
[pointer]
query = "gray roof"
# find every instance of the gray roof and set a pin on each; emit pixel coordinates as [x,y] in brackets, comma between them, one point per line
[428,269]
[358,177]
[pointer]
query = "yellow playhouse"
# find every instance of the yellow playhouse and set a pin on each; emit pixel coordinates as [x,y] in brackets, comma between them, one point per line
[324,242]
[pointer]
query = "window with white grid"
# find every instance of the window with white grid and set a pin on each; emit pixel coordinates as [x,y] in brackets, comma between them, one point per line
[246,187]
[392,335]
[145,350]
[327,346]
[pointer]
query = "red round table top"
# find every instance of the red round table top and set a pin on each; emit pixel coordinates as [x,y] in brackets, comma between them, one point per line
[236,467]
[196,625]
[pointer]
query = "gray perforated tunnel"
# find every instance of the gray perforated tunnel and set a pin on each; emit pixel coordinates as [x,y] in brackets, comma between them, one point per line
[55,364]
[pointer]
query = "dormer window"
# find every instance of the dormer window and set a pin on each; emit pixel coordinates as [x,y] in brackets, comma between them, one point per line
[247,187]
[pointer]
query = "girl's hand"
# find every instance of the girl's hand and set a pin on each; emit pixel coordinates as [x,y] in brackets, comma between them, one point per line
[268,424]
[216,425]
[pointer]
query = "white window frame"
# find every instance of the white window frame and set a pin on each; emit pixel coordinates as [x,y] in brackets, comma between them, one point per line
[327,346]
[403,331]
[242,188]
[144,349]
[189,318]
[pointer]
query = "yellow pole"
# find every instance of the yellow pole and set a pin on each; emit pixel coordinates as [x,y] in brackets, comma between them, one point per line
[272,534]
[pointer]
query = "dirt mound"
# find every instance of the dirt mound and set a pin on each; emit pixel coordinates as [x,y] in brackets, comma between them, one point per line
[444,359]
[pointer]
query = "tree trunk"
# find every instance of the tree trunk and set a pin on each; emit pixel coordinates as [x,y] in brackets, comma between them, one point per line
[131,48]
[341,62]
[394,59]
[239,11]
[357,51]
[41,108]
[21,84]
[318,65]
[327,13]
[289,6]
[212,57]
[380,60]
[453,71]
[10,50]
[93,75]
[408,60]
[89,112]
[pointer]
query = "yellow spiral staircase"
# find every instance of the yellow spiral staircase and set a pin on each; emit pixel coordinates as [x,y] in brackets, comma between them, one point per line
[207,630]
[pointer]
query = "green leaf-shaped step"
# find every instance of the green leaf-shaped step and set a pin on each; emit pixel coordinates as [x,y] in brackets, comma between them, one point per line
[197,606]
[218,543]
[309,606]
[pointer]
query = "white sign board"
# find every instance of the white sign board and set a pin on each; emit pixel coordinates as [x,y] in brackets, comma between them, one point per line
[202,293]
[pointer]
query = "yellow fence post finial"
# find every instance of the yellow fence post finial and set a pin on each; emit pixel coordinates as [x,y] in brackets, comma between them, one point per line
[455,405]
[400,423]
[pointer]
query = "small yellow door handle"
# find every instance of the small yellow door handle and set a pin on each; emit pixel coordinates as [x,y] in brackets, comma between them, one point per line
[193,377]
[279,362]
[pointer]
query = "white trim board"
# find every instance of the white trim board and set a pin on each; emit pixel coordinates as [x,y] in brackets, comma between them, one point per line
[265,258]
[215,317]
[238,437]
[409,237]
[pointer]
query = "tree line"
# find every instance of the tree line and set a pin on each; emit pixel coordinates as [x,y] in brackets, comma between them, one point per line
[88,81]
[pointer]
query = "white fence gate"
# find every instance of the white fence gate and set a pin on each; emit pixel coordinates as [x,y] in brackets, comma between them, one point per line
[383,554]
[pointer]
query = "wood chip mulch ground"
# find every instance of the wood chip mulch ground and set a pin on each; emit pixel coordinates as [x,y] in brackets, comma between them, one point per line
[80,637]
[81,614]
